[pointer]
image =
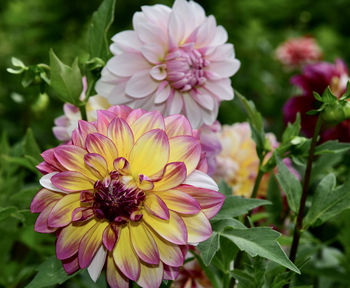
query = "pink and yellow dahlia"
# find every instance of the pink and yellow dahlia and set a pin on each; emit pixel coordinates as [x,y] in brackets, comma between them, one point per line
[176,60]
[126,193]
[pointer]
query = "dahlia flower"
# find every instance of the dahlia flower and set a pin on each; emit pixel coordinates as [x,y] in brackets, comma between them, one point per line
[126,193]
[238,162]
[317,77]
[296,52]
[176,60]
[66,123]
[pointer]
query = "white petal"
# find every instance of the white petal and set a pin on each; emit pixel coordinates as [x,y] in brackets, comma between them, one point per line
[201,180]
[206,32]
[153,52]
[224,68]
[147,31]
[45,181]
[97,263]
[176,103]
[162,94]
[141,85]
[158,72]
[126,41]
[127,64]
[209,116]
[204,98]
[221,53]
[222,89]
[193,111]
[220,36]
[176,31]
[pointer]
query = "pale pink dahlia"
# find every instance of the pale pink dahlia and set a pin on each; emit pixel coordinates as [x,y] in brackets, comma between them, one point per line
[126,194]
[176,60]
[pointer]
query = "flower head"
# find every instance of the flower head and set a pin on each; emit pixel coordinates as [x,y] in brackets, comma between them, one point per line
[126,192]
[174,61]
[317,77]
[296,52]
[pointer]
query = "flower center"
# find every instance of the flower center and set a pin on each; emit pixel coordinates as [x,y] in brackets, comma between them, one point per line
[185,68]
[115,201]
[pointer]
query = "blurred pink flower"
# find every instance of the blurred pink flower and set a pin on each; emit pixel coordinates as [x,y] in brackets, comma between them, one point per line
[176,60]
[317,77]
[295,52]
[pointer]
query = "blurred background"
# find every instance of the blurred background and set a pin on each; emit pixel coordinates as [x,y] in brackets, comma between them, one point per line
[29,28]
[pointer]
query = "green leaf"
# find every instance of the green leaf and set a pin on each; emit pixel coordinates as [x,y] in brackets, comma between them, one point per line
[289,183]
[256,124]
[30,146]
[209,248]
[67,81]
[224,188]
[213,277]
[292,130]
[220,225]
[101,21]
[235,206]
[6,212]
[49,273]
[328,97]
[260,241]
[328,201]
[332,147]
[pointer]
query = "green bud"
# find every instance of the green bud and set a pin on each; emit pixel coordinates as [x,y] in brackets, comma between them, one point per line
[335,114]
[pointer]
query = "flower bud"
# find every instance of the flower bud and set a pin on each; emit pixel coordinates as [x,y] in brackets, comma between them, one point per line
[337,113]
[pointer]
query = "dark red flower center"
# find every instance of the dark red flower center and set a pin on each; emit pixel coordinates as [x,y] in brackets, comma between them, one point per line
[115,201]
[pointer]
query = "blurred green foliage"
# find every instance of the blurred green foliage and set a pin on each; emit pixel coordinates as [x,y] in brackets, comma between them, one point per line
[29,28]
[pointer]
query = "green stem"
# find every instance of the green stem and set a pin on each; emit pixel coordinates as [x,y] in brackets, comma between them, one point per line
[299,222]
[83,112]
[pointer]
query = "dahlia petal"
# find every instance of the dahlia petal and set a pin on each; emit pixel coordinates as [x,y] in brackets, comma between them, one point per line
[185,149]
[176,125]
[61,133]
[204,99]
[180,202]
[125,257]
[225,68]
[82,213]
[140,85]
[221,53]
[183,11]
[84,128]
[70,265]
[97,264]
[128,64]
[45,181]
[174,174]
[69,238]
[148,121]
[41,224]
[90,243]
[175,30]
[144,183]
[97,164]
[169,253]
[121,111]
[155,206]
[206,32]
[220,36]
[198,227]
[134,115]
[176,103]
[104,117]
[158,72]
[61,214]
[114,277]
[143,243]
[170,273]
[152,52]
[70,181]
[97,143]
[126,41]
[42,199]
[110,237]
[222,89]
[122,136]
[193,111]
[209,200]
[209,117]
[45,168]
[49,157]
[201,180]
[162,94]
[151,276]
[72,158]
[173,230]
[143,160]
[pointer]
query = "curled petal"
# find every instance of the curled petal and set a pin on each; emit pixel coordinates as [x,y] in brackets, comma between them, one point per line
[156,206]
[110,237]
[198,227]
[82,214]
[201,180]
[41,223]
[46,182]
[71,265]
[43,198]
[174,174]
[97,164]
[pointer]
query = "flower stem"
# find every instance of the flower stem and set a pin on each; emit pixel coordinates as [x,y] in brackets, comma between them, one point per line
[299,223]
[83,112]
